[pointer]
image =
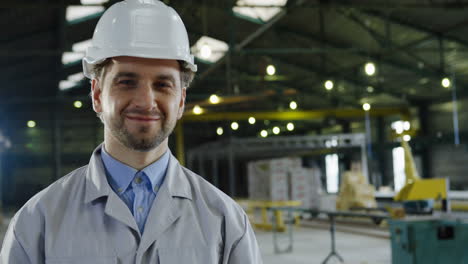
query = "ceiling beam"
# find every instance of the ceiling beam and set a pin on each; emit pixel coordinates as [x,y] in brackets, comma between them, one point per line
[297,115]
[396,20]
[247,40]
[374,56]
[384,41]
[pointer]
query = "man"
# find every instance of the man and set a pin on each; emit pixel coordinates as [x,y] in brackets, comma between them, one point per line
[133,203]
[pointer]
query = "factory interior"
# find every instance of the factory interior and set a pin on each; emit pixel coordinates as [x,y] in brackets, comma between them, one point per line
[339,126]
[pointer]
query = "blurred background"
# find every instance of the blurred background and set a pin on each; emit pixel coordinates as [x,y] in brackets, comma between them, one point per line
[294,100]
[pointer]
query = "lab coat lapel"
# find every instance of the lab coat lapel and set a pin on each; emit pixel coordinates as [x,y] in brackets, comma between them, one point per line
[168,205]
[117,209]
[97,187]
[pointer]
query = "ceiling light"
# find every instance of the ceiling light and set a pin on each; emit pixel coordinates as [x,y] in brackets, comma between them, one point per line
[446,82]
[271,70]
[219,131]
[366,106]
[370,89]
[234,125]
[77,77]
[78,104]
[252,120]
[293,105]
[65,85]
[290,126]
[197,110]
[205,51]
[398,126]
[93,2]
[214,99]
[276,130]
[77,53]
[31,123]
[264,133]
[328,85]
[69,57]
[258,10]
[79,12]
[423,80]
[369,68]
[82,46]
[209,49]
[406,125]
[406,137]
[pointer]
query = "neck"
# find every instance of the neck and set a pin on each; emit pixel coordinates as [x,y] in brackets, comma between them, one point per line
[135,159]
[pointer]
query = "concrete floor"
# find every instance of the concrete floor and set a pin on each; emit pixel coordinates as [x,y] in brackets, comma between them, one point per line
[312,244]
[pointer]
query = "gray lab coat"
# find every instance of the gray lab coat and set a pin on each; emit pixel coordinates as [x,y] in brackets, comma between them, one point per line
[80,219]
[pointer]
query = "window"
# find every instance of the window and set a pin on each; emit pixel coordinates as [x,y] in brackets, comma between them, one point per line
[399,175]
[332,171]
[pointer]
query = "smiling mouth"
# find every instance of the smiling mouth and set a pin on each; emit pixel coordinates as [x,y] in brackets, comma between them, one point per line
[144,118]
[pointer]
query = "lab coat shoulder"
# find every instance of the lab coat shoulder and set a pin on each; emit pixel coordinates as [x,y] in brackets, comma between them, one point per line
[56,197]
[210,198]
[240,245]
[25,235]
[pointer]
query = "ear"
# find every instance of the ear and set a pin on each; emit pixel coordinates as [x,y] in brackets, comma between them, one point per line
[182,103]
[96,92]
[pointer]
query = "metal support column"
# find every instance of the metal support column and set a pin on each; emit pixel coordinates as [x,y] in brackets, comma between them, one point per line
[456,130]
[57,106]
[426,151]
[232,172]
[215,172]
[346,129]
[1,179]
[57,138]
[190,161]
[368,150]
[201,166]
[380,152]
[180,143]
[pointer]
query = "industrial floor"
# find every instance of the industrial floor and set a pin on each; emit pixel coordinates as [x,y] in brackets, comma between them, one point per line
[312,244]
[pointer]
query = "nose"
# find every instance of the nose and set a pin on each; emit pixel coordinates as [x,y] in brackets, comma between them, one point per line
[145,97]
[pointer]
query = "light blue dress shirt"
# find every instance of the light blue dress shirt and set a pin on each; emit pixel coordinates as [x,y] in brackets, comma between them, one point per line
[137,189]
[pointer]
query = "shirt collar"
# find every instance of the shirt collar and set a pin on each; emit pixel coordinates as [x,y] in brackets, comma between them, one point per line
[121,175]
[177,183]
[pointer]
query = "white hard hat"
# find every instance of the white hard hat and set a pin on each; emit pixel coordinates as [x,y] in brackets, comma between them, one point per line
[139,28]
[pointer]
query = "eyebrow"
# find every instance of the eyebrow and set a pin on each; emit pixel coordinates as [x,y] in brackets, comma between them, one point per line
[124,74]
[166,77]
[159,77]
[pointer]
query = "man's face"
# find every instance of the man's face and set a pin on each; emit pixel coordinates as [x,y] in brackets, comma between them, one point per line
[139,100]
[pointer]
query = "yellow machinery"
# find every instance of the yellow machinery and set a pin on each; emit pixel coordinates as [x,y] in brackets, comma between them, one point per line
[252,207]
[417,189]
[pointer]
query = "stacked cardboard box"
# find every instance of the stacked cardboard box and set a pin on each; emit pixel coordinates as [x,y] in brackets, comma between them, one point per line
[268,179]
[306,186]
[284,179]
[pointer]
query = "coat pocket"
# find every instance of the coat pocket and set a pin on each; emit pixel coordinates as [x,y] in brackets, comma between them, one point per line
[198,255]
[81,260]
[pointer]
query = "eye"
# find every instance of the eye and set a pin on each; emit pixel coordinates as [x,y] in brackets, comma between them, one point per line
[163,85]
[127,82]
